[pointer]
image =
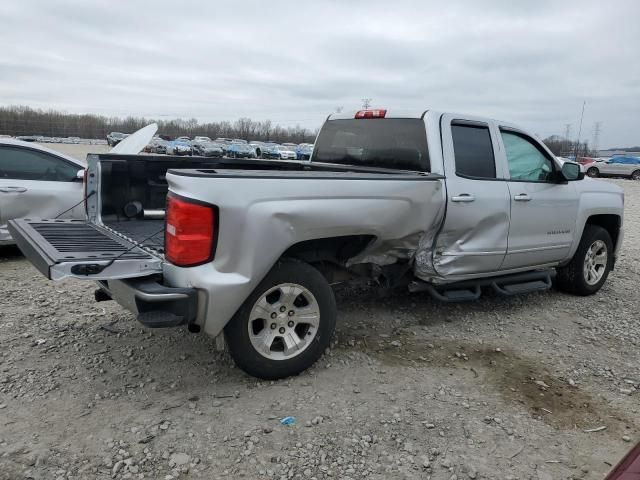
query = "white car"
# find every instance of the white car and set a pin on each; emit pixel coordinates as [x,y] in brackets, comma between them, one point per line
[37,181]
[286,153]
[614,167]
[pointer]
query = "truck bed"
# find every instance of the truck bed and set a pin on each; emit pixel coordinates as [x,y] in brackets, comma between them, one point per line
[142,178]
[149,233]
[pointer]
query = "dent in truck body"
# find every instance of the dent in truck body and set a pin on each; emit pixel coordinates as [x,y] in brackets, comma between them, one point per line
[456,247]
[281,212]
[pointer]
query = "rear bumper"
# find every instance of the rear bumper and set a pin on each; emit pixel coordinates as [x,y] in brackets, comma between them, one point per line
[154,304]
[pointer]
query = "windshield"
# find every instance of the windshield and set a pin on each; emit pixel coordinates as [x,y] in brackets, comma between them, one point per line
[387,143]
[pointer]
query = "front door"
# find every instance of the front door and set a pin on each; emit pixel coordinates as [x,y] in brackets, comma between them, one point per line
[543,209]
[473,239]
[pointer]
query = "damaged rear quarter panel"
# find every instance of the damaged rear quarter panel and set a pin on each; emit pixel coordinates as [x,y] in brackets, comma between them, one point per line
[261,217]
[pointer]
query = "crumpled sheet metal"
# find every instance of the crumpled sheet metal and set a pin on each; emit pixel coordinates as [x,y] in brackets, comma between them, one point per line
[417,248]
[389,252]
[462,251]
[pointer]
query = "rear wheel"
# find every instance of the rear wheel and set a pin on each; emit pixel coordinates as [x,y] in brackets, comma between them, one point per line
[635,175]
[593,172]
[285,324]
[591,264]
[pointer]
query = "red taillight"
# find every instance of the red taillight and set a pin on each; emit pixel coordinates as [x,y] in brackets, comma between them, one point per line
[190,232]
[378,113]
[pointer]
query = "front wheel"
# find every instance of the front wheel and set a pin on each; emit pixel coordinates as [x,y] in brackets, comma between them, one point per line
[593,172]
[285,324]
[591,264]
[635,175]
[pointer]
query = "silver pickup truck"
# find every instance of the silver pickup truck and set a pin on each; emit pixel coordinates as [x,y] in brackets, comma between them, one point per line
[441,203]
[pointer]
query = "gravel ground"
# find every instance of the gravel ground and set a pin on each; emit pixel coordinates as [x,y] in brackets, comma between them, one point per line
[500,388]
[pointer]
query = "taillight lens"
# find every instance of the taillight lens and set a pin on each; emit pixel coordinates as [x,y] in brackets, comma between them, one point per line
[377,113]
[190,232]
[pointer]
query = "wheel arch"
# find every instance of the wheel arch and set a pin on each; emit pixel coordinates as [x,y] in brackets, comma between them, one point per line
[336,250]
[610,222]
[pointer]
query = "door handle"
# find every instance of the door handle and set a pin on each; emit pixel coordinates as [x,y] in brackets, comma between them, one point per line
[463,197]
[13,189]
[523,197]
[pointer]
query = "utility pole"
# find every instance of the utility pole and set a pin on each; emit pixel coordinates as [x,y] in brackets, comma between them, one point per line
[597,128]
[580,129]
[567,135]
[366,103]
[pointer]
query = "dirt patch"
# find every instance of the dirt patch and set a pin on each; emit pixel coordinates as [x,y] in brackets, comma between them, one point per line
[546,396]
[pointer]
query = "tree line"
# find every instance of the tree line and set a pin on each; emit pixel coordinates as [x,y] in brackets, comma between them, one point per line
[564,147]
[22,120]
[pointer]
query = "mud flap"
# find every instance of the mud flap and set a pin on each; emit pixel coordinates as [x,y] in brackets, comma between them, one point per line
[78,249]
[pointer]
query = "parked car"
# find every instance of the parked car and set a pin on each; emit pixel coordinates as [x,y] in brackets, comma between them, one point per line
[270,151]
[240,150]
[257,148]
[623,166]
[201,140]
[156,145]
[36,181]
[207,149]
[27,138]
[160,146]
[304,151]
[115,138]
[286,153]
[439,203]
[179,147]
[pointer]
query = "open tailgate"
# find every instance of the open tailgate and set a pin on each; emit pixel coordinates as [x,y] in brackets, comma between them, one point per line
[75,248]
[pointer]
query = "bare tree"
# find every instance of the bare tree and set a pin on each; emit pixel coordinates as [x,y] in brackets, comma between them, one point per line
[20,120]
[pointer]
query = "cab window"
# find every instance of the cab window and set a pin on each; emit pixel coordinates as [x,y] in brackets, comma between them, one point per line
[526,160]
[473,151]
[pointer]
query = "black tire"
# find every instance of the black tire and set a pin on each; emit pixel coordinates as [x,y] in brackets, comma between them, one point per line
[635,175]
[571,278]
[593,172]
[243,352]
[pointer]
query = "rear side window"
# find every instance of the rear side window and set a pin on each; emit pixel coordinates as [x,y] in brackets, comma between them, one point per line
[25,164]
[473,151]
[399,143]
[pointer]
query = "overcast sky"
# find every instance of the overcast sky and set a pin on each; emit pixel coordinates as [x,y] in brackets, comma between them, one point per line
[531,63]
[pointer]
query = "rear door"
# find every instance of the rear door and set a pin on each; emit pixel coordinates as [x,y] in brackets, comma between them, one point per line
[36,183]
[543,210]
[473,239]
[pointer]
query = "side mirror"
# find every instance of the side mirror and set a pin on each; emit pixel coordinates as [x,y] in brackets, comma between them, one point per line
[80,175]
[571,171]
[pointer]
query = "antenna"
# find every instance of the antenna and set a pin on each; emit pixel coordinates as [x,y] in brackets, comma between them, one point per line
[366,103]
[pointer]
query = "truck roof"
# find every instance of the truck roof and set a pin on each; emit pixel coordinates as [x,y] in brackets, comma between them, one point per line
[413,113]
[391,113]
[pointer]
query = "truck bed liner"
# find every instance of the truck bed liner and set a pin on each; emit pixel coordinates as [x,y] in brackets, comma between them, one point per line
[149,233]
